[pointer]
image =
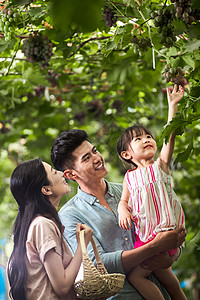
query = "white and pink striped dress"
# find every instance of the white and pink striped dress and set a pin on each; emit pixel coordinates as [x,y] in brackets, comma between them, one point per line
[153,202]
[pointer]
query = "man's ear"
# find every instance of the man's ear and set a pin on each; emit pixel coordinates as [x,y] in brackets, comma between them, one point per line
[126,155]
[70,174]
[46,190]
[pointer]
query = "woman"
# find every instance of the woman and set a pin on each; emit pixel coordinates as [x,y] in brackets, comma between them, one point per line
[41,265]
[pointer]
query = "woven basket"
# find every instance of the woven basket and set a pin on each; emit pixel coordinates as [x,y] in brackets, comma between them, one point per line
[96,283]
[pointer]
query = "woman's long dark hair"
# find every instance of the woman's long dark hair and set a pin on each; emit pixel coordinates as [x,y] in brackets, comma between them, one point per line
[26,182]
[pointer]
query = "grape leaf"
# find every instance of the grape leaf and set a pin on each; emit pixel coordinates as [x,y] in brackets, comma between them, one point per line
[191,46]
[194,30]
[183,156]
[172,52]
[196,238]
[179,26]
[34,77]
[189,61]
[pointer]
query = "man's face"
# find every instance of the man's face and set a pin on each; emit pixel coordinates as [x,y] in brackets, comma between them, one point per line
[89,163]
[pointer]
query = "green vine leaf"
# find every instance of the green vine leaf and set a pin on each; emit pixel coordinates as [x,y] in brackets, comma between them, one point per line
[183,156]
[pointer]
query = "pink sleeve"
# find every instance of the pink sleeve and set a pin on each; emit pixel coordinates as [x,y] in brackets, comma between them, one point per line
[43,237]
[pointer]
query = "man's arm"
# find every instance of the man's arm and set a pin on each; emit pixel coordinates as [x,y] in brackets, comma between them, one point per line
[111,260]
[111,243]
[123,261]
[161,261]
[164,241]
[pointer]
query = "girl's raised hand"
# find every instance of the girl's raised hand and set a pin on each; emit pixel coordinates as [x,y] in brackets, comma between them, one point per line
[176,95]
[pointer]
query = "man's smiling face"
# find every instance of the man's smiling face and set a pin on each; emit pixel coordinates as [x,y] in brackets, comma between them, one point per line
[89,163]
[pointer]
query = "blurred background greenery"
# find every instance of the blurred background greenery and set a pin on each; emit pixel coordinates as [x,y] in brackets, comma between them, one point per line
[101,66]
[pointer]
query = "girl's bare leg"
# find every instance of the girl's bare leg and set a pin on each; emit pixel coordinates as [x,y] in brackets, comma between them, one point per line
[146,287]
[171,283]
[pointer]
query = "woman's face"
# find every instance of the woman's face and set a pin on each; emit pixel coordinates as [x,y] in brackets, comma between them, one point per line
[58,187]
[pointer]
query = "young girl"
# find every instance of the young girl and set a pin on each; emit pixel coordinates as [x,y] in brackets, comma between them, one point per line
[149,200]
[41,265]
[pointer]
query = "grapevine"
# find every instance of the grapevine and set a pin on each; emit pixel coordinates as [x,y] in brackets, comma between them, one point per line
[80,117]
[95,107]
[175,75]
[37,48]
[39,91]
[163,20]
[53,77]
[141,44]
[9,20]
[185,11]
[109,17]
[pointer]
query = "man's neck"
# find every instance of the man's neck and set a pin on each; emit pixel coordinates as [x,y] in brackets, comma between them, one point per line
[97,189]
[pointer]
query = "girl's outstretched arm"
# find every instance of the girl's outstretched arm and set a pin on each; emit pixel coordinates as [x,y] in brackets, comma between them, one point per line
[173,99]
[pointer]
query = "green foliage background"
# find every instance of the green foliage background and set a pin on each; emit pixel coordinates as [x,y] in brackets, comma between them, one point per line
[102,86]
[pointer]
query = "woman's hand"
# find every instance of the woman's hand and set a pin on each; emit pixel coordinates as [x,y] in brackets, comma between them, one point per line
[88,232]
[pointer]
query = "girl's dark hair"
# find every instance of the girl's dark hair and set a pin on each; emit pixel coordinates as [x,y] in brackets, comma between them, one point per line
[26,182]
[125,139]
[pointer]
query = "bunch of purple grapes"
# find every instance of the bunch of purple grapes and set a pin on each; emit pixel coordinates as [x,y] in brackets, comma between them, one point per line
[141,44]
[109,17]
[37,48]
[185,11]
[95,107]
[39,91]
[53,77]
[163,20]
[80,117]
[175,75]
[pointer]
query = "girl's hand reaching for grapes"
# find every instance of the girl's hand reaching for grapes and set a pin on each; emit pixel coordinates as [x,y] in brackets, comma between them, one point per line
[175,96]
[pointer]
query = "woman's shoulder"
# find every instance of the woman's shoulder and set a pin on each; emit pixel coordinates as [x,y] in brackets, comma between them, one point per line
[39,219]
[42,222]
[42,229]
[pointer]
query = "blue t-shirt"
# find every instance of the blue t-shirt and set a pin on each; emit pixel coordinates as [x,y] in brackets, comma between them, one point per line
[110,239]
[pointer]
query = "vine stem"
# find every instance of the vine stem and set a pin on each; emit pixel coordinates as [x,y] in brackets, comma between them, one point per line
[165,3]
[14,55]
[93,39]
[149,30]
[143,17]
[112,3]
[145,22]
[193,98]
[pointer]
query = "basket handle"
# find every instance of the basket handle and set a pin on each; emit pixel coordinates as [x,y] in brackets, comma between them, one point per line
[96,252]
[82,241]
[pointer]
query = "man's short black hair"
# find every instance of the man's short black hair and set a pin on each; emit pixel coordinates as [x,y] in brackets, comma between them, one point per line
[62,150]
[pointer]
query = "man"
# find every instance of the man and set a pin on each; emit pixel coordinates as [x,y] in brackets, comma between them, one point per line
[96,204]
